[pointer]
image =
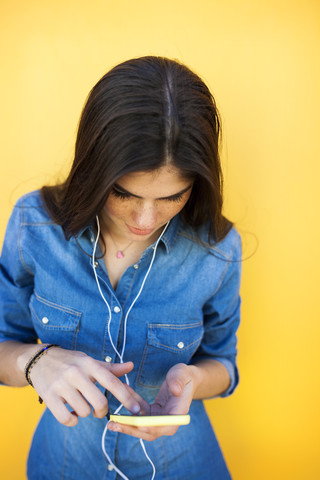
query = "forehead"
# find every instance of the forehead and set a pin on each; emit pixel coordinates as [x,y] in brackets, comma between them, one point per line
[164,182]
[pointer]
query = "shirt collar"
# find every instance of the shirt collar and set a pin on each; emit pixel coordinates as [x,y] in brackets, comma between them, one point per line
[168,238]
[170,235]
[87,230]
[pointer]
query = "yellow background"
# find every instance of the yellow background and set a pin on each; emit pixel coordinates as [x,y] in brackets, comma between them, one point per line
[261,60]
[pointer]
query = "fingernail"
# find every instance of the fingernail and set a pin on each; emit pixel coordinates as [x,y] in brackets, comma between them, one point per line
[136,408]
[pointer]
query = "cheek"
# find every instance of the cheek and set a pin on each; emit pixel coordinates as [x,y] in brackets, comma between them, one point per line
[169,211]
[114,208]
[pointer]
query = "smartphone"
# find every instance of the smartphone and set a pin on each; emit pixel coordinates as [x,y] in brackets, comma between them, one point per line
[151,420]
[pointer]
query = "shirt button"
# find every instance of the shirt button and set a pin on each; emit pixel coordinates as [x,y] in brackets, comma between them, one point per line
[96,264]
[136,266]
[45,320]
[91,239]
[180,345]
[108,359]
[110,468]
[116,309]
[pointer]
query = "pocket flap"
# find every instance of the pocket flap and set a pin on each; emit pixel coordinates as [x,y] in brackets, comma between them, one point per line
[175,338]
[53,316]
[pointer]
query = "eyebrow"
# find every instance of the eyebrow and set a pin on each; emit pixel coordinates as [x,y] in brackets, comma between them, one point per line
[123,190]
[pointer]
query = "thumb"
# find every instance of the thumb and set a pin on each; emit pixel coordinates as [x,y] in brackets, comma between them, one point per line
[177,378]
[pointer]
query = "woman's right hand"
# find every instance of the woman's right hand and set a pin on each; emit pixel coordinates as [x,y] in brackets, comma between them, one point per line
[64,376]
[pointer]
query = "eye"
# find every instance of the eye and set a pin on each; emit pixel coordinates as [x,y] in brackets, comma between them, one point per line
[175,198]
[119,194]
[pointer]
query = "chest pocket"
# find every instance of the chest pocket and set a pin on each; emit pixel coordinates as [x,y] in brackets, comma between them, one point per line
[166,346]
[55,323]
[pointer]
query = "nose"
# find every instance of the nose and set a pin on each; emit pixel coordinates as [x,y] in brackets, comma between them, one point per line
[144,216]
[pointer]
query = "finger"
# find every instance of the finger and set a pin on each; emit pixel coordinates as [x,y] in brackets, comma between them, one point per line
[118,369]
[61,413]
[177,378]
[77,402]
[106,375]
[129,430]
[146,433]
[100,405]
[145,407]
[118,389]
[80,393]
[90,394]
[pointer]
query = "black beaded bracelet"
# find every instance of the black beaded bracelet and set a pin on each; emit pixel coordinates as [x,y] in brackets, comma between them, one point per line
[33,360]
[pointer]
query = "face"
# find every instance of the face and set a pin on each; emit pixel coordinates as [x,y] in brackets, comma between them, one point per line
[141,203]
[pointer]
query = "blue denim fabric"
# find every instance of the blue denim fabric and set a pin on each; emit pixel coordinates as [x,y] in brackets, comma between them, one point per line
[189,310]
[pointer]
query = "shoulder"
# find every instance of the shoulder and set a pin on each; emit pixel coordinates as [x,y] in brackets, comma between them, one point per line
[31,209]
[229,247]
[226,249]
[30,200]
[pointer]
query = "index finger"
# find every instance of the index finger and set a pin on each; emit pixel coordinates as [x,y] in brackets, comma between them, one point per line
[108,379]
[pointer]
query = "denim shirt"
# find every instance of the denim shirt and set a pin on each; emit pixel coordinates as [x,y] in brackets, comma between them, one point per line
[188,310]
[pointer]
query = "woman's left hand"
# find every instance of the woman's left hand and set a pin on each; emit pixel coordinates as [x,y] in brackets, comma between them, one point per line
[174,398]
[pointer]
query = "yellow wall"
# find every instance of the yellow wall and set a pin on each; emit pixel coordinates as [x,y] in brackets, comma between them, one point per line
[261,60]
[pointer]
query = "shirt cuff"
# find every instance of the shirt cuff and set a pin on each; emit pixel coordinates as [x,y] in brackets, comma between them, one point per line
[233,374]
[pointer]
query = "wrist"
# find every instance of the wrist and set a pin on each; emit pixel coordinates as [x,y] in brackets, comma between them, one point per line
[26,351]
[196,375]
[34,359]
[211,379]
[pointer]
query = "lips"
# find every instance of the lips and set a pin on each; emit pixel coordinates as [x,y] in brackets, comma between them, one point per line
[139,231]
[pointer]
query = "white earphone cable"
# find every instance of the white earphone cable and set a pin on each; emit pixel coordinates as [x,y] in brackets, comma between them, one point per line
[100,291]
[140,290]
[120,356]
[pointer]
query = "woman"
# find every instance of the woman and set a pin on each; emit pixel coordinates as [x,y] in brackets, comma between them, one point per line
[129,274]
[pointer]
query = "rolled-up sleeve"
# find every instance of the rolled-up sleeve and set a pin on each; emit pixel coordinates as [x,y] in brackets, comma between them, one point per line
[222,318]
[16,285]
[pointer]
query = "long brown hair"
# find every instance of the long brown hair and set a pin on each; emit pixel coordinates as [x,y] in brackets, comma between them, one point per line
[144,113]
